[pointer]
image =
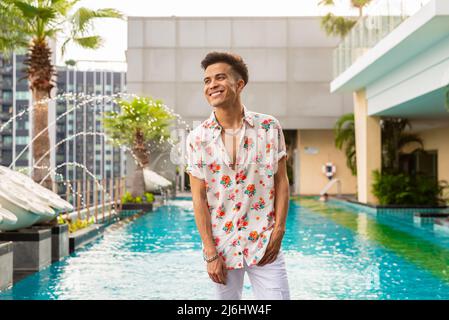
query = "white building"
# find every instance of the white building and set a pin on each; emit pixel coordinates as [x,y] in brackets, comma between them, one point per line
[396,62]
[290,67]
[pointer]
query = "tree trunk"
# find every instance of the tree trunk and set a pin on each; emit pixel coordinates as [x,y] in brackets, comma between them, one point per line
[140,152]
[138,186]
[40,73]
[42,143]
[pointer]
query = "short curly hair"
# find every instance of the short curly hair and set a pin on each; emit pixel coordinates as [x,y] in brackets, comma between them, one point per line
[235,61]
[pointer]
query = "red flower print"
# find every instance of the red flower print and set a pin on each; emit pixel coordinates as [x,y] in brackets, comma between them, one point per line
[245,252]
[220,212]
[229,226]
[250,190]
[217,241]
[221,254]
[237,206]
[242,222]
[200,164]
[247,143]
[226,181]
[262,240]
[271,194]
[214,167]
[267,123]
[268,148]
[253,236]
[231,197]
[240,177]
[217,194]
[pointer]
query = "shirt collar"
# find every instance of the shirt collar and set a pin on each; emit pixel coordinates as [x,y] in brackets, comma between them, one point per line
[212,123]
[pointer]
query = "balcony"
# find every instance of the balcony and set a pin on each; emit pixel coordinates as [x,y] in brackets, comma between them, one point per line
[381,18]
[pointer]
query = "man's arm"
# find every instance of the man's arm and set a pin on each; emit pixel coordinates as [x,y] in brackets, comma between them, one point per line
[217,268]
[281,198]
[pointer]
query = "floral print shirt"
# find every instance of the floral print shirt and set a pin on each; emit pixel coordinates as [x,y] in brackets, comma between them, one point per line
[240,200]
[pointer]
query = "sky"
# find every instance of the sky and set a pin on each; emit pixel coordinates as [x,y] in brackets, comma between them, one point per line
[114,32]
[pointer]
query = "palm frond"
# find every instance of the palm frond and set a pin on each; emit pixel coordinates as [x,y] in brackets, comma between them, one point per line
[91,42]
[83,18]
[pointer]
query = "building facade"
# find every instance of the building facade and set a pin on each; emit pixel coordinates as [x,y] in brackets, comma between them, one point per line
[396,64]
[101,159]
[91,151]
[14,99]
[290,68]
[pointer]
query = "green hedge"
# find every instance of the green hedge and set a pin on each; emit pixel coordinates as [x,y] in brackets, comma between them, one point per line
[128,198]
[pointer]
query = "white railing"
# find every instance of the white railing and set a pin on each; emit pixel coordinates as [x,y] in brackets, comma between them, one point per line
[380,18]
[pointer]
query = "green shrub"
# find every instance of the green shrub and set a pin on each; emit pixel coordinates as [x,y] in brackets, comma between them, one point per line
[149,197]
[402,189]
[127,197]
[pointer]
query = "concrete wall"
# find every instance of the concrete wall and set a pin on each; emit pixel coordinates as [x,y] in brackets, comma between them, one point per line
[311,178]
[419,76]
[289,61]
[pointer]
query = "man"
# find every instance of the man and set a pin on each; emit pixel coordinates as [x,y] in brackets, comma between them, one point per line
[240,190]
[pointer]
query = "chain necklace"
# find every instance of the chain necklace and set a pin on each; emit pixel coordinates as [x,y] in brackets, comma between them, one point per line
[234,132]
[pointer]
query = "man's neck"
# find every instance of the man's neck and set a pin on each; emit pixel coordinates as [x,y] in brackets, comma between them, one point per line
[230,117]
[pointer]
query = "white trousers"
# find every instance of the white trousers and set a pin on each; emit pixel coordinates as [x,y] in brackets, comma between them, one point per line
[269,282]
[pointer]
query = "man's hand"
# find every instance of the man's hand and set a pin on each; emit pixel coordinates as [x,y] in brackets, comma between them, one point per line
[273,247]
[217,270]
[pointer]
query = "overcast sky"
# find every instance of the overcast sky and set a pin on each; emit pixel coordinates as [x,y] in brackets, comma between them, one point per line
[115,32]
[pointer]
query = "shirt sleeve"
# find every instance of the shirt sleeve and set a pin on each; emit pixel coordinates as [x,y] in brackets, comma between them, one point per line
[280,145]
[194,160]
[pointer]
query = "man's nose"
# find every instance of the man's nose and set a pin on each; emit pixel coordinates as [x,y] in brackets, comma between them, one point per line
[212,84]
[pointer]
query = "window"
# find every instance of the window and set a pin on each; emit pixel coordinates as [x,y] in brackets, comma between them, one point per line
[22,95]
[7,96]
[6,109]
[417,162]
[22,140]
[7,140]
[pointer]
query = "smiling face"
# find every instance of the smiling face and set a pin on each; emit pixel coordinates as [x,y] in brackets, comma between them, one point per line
[222,86]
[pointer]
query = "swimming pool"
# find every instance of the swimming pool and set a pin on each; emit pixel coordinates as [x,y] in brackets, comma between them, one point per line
[332,251]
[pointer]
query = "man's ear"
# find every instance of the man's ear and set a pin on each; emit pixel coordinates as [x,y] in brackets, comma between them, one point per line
[241,84]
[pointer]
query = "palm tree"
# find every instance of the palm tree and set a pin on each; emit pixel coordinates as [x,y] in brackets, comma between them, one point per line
[340,26]
[140,122]
[393,140]
[30,24]
[345,138]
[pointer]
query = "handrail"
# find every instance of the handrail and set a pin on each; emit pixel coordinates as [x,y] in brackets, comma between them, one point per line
[330,184]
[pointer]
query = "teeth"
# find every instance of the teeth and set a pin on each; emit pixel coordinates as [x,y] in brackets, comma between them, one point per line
[215,93]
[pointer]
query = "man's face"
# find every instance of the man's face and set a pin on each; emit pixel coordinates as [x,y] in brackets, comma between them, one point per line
[221,88]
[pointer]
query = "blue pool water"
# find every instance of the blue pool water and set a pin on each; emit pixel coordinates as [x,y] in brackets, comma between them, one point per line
[332,251]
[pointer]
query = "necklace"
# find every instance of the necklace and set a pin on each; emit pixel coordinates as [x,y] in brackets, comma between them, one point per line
[234,132]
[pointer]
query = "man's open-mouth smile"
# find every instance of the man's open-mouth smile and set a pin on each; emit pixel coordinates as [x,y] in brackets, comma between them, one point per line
[215,93]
